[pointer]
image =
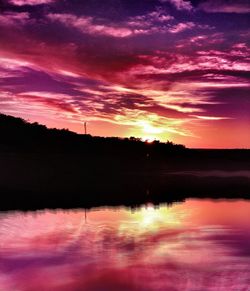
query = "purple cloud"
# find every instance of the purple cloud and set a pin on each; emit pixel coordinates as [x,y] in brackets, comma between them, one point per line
[181,27]
[30,2]
[180,4]
[222,6]
[14,18]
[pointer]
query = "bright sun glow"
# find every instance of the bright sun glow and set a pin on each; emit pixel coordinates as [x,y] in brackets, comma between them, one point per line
[147,131]
[151,218]
[148,128]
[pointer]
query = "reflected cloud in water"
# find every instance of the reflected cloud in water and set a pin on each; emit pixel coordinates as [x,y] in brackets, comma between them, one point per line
[195,245]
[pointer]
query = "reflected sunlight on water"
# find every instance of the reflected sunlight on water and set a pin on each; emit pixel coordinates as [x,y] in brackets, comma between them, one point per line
[195,245]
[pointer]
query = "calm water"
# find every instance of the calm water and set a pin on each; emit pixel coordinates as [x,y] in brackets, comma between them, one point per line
[196,245]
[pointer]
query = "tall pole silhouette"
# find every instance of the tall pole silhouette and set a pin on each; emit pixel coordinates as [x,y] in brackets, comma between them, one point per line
[85,127]
[85,215]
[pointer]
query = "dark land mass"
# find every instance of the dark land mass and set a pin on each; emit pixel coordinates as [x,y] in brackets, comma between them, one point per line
[51,168]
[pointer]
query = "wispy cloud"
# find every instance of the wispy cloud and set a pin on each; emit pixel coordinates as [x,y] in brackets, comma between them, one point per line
[160,16]
[87,25]
[222,6]
[149,23]
[180,4]
[14,18]
[30,2]
[157,21]
[181,27]
[210,117]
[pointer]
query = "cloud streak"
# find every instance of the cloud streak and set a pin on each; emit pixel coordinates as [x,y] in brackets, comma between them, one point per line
[181,27]
[87,25]
[180,4]
[14,18]
[222,6]
[30,2]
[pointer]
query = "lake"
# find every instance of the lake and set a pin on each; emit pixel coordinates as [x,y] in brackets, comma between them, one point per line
[195,245]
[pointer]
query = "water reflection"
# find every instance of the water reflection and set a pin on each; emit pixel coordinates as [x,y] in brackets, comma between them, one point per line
[196,245]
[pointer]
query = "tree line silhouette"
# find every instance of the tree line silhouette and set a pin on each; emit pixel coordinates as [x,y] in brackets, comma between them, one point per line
[19,134]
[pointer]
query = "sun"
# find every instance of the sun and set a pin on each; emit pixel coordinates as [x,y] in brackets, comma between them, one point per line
[148,139]
[149,132]
[149,128]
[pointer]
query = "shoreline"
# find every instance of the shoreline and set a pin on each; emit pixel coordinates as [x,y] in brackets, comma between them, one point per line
[128,190]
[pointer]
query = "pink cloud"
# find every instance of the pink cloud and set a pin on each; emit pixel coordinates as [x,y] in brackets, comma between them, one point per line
[160,16]
[87,25]
[181,27]
[241,50]
[241,46]
[210,117]
[202,40]
[153,22]
[222,6]
[13,64]
[30,2]
[57,102]
[39,56]
[14,18]
[161,62]
[180,4]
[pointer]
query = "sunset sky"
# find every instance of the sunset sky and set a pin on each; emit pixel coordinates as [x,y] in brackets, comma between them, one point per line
[166,69]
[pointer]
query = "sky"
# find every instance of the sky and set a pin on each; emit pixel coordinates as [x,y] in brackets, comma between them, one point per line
[156,69]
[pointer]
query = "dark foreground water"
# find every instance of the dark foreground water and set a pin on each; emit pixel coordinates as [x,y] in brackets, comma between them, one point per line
[196,245]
